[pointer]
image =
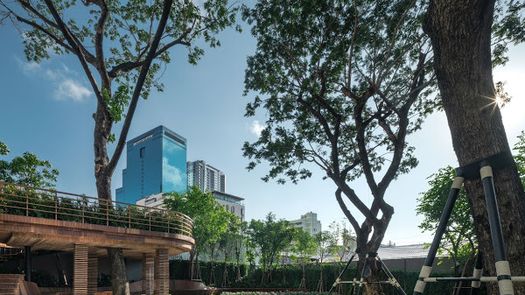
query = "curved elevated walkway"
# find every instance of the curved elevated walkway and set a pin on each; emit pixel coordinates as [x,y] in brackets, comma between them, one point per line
[41,219]
[48,234]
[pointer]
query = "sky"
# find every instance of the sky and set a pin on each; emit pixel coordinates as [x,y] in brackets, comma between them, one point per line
[47,109]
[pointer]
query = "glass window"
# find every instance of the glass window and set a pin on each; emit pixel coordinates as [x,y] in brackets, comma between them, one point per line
[142,152]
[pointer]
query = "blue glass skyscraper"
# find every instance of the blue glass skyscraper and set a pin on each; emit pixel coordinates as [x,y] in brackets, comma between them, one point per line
[156,163]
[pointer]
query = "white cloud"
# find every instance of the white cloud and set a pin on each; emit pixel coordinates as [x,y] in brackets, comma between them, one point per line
[72,90]
[172,176]
[256,128]
[67,88]
[28,67]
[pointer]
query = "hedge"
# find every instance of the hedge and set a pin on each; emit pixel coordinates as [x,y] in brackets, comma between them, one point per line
[289,276]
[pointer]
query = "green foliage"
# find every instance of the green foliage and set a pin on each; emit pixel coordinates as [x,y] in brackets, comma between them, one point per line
[126,32]
[316,58]
[269,238]
[51,205]
[27,169]
[508,28]
[326,244]
[344,241]
[210,220]
[519,157]
[304,246]
[4,150]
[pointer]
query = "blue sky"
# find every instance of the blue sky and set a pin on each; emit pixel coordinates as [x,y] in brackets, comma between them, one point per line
[47,109]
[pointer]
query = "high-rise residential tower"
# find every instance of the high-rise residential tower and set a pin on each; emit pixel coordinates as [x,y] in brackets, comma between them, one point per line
[206,177]
[156,163]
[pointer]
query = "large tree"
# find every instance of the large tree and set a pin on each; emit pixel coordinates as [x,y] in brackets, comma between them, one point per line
[121,47]
[461,34]
[342,84]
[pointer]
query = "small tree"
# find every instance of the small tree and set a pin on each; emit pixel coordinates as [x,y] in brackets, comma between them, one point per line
[229,245]
[270,237]
[344,240]
[27,169]
[326,242]
[240,248]
[304,246]
[210,220]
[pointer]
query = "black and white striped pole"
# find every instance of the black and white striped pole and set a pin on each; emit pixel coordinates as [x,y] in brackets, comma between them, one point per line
[443,221]
[502,265]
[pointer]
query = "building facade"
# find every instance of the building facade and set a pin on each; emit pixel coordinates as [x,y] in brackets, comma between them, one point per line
[205,177]
[230,202]
[309,223]
[155,164]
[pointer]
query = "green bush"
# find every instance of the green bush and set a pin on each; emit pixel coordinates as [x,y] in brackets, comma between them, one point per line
[43,204]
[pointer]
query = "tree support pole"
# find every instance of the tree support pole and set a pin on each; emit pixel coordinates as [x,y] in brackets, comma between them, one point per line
[440,231]
[502,264]
[482,169]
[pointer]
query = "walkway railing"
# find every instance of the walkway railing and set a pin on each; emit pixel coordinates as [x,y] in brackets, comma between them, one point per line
[57,205]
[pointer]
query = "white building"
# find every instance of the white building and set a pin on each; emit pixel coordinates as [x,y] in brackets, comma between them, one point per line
[232,203]
[309,223]
[205,177]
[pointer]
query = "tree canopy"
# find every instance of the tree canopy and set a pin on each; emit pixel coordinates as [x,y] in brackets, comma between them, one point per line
[342,84]
[210,220]
[27,169]
[269,238]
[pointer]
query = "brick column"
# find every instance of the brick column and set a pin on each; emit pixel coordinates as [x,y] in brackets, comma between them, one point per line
[92,274]
[162,283]
[80,270]
[148,275]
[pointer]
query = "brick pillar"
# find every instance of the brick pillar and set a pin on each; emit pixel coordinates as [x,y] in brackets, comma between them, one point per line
[148,275]
[80,270]
[92,274]
[162,283]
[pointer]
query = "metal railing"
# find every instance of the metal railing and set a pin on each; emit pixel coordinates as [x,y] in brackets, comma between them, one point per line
[52,204]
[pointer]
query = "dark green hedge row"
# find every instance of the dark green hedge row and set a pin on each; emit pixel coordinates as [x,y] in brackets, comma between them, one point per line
[289,276]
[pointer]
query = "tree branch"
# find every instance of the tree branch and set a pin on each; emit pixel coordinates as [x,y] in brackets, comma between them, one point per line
[99,42]
[130,65]
[78,48]
[347,212]
[140,83]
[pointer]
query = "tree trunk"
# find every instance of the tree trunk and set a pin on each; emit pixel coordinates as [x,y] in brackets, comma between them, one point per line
[461,38]
[119,282]
[103,175]
[373,271]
